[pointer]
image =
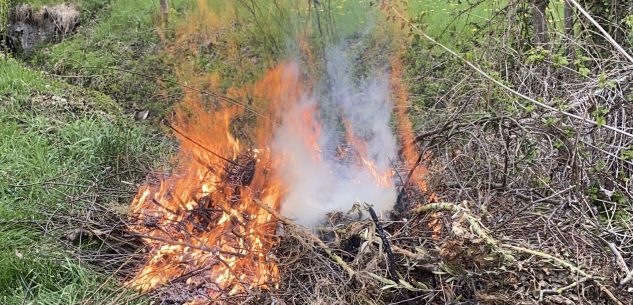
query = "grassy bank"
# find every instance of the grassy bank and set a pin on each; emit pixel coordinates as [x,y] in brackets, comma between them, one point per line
[117,51]
[69,148]
[60,146]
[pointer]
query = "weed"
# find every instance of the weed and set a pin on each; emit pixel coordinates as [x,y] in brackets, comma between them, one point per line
[53,161]
[124,38]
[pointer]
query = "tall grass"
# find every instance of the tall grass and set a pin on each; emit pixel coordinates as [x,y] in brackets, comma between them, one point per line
[52,162]
[121,35]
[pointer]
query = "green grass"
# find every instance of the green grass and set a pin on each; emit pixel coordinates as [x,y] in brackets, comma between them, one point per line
[29,275]
[122,35]
[451,22]
[18,81]
[50,154]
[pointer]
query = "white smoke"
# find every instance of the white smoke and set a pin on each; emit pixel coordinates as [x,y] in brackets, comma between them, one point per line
[327,180]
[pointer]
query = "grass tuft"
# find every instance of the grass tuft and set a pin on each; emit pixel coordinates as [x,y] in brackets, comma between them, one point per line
[56,160]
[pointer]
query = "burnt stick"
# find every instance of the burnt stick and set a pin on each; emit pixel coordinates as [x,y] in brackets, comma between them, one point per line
[391,261]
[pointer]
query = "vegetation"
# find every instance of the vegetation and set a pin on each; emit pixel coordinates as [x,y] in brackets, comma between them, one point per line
[537,153]
[520,109]
[61,149]
[116,52]
[4,21]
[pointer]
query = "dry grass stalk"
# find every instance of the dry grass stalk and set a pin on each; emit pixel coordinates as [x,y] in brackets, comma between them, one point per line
[481,232]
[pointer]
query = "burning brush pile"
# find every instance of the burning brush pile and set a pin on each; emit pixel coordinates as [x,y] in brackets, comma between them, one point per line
[319,206]
[204,227]
[211,228]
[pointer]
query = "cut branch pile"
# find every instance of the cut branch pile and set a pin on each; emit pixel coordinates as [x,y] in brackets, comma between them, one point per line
[363,274]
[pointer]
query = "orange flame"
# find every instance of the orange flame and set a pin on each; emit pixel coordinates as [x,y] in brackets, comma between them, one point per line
[405,129]
[204,219]
[410,154]
[203,224]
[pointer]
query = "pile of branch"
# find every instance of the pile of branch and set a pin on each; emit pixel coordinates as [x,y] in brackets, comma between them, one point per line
[393,266]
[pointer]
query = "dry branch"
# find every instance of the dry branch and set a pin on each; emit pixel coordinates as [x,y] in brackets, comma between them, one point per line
[401,283]
[481,232]
[622,264]
[627,279]
[391,261]
[504,86]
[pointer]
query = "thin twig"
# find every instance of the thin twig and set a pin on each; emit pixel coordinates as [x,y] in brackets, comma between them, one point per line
[504,86]
[391,261]
[602,30]
[202,146]
[567,265]
[201,248]
[561,290]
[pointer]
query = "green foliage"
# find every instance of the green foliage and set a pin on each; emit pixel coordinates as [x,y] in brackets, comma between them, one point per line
[599,115]
[551,121]
[628,22]
[580,63]
[537,55]
[123,37]
[584,71]
[605,83]
[558,144]
[47,157]
[559,60]
[627,154]
[593,192]
[612,206]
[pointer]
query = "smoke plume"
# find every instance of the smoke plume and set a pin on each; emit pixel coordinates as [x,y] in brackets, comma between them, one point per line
[336,144]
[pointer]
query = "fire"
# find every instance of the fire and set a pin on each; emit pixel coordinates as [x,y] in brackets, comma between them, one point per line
[383,178]
[201,225]
[204,225]
[204,219]
[413,161]
[405,129]
[312,130]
